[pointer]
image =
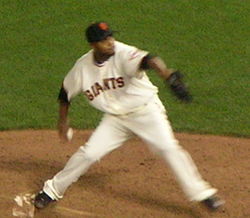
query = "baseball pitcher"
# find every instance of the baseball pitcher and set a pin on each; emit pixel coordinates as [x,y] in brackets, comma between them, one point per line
[112,77]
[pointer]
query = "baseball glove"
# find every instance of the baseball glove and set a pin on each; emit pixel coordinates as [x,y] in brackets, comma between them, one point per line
[178,87]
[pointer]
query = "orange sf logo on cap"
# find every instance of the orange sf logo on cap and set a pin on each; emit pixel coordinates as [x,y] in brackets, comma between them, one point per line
[103,26]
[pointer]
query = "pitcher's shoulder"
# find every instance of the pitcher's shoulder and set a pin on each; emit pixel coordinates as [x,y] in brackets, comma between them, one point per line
[85,58]
[120,46]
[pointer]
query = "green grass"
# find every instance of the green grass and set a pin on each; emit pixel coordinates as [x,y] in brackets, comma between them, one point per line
[207,40]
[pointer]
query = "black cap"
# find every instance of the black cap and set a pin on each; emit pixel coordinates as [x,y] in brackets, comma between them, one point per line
[98,31]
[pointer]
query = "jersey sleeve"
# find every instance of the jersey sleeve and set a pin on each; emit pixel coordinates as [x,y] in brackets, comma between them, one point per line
[131,60]
[72,83]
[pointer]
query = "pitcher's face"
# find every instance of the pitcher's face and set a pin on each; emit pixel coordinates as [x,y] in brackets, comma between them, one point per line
[105,46]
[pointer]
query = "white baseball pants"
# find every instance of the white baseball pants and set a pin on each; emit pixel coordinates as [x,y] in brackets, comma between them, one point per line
[150,124]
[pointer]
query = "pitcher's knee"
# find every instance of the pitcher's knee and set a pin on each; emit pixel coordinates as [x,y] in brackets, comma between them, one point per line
[92,155]
[168,147]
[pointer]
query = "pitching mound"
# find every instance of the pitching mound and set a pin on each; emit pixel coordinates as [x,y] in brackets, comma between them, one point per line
[129,182]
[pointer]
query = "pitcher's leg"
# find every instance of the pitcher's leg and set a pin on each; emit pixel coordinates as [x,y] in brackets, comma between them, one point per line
[187,174]
[108,136]
[158,133]
[76,166]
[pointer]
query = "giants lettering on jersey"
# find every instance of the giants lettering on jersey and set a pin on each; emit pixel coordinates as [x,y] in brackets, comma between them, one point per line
[107,84]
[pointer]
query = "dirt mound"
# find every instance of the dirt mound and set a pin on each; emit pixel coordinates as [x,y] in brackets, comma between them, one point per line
[129,182]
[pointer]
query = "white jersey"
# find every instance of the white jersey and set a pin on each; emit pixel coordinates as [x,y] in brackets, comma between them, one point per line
[117,86]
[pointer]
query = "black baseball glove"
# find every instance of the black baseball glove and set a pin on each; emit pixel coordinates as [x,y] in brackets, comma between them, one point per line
[178,87]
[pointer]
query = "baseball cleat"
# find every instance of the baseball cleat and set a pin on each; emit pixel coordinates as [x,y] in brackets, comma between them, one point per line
[213,203]
[42,200]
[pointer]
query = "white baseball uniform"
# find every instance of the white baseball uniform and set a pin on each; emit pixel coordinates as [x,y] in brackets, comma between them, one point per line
[131,106]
